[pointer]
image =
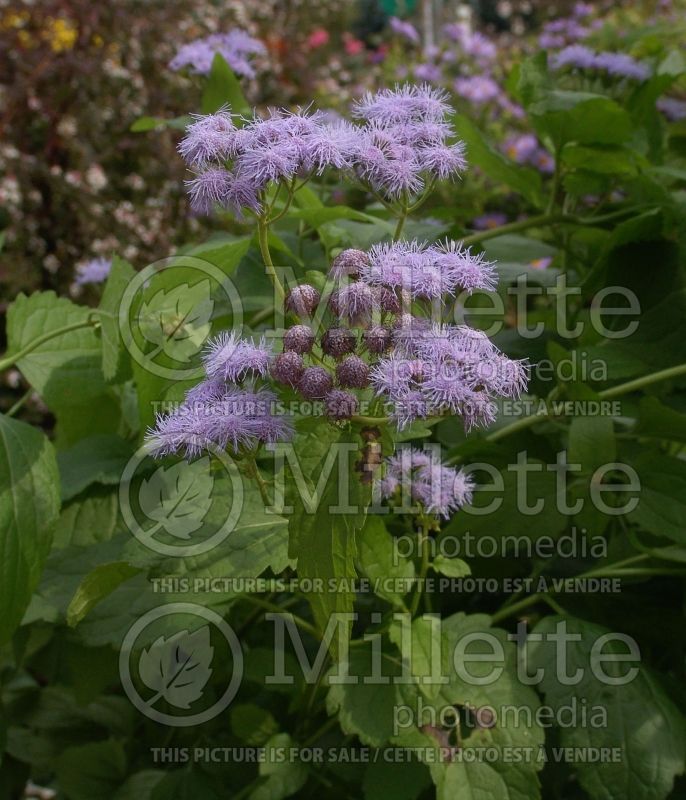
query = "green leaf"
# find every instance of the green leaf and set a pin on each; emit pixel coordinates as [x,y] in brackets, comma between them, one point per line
[284,777]
[641,718]
[113,352]
[365,708]
[97,459]
[67,368]
[178,497]
[92,771]
[177,668]
[661,505]
[144,124]
[323,540]
[525,180]
[29,506]
[452,567]
[401,780]
[90,519]
[103,580]
[610,160]
[178,321]
[184,785]
[140,785]
[591,442]
[381,563]
[252,724]
[510,516]
[582,117]
[223,89]
[659,421]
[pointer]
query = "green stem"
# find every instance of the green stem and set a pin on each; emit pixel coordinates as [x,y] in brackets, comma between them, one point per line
[263,238]
[606,394]
[20,402]
[425,543]
[401,222]
[299,621]
[254,472]
[543,219]
[514,227]
[10,360]
[515,608]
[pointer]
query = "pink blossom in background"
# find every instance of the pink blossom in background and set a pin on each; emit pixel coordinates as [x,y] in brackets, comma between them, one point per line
[541,263]
[318,38]
[352,46]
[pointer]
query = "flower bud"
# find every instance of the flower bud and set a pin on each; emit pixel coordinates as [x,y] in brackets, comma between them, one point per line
[377,339]
[299,339]
[315,383]
[287,368]
[340,405]
[302,300]
[353,372]
[348,264]
[338,341]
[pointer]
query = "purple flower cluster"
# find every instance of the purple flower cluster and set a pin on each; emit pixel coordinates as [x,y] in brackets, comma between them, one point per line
[619,65]
[237,47]
[234,165]
[435,369]
[405,29]
[525,149]
[673,108]
[562,32]
[477,89]
[404,140]
[402,144]
[95,270]
[219,412]
[420,475]
[472,43]
[429,272]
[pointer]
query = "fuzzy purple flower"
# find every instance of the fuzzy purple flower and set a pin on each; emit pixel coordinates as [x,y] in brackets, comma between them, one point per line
[236,47]
[233,358]
[422,476]
[238,419]
[96,270]
[477,89]
[209,138]
[340,405]
[354,302]
[405,29]
[348,263]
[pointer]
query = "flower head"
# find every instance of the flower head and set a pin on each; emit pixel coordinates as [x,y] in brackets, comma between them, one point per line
[95,270]
[233,358]
[422,475]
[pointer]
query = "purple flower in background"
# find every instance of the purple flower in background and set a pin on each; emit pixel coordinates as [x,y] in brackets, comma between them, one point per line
[520,147]
[233,358]
[541,263]
[95,270]
[422,476]
[582,9]
[672,108]
[622,65]
[237,47]
[577,56]
[619,65]
[485,222]
[478,89]
[405,29]
[428,72]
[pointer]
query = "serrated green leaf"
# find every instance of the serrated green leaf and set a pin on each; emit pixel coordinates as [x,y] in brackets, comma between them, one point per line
[113,353]
[103,580]
[641,718]
[29,506]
